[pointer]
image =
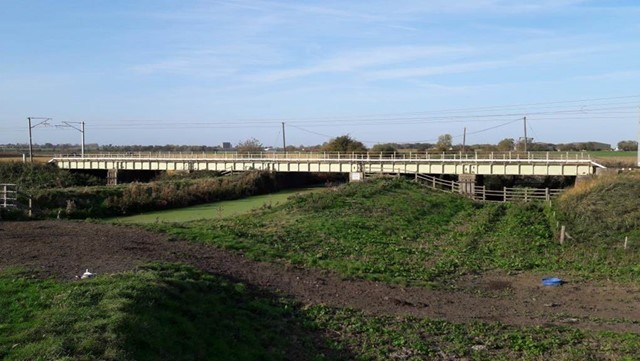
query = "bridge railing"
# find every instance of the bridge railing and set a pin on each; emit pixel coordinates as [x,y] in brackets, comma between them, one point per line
[459,156]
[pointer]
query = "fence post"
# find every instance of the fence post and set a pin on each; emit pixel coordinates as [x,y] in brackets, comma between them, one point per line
[547,196]
[484,193]
[562,231]
[504,194]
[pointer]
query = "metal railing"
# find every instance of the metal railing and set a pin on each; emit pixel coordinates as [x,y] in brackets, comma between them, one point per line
[333,156]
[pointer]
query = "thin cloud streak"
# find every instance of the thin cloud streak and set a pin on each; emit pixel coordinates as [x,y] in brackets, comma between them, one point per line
[364,59]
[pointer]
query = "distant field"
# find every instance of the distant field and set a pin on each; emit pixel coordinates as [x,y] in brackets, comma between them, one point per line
[609,154]
[18,158]
[615,159]
[215,210]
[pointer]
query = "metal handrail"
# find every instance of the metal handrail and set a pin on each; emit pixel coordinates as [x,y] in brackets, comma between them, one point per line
[354,156]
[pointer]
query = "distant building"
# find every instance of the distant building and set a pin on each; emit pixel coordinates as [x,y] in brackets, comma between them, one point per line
[226,145]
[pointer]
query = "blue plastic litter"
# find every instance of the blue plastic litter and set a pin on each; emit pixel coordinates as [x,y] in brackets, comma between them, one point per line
[552,281]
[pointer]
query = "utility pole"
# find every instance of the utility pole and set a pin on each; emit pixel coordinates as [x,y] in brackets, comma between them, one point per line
[638,137]
[525,134]
[30,142]
[284,139]
[82,149]
[31,126]
[464,140]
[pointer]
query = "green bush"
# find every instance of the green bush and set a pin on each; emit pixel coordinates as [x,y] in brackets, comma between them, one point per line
[30,176]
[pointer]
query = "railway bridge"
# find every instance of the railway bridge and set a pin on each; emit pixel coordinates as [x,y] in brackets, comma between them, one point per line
[466,166]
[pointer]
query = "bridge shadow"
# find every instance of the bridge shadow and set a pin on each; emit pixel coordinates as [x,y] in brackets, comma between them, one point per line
[192,315]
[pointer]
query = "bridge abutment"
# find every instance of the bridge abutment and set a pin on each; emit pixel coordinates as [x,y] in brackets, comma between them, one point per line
[468,183]
[112,177]
[356,176]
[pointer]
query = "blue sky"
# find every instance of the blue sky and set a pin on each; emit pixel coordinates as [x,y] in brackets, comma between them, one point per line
[204,71]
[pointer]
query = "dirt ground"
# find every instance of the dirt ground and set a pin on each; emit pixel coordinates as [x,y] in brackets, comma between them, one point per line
[63,250]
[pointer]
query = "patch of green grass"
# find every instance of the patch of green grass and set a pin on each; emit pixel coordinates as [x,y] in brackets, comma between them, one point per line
[215,210]
[161,312]
[408,338]
[396,231]
[610,154]
[379,230]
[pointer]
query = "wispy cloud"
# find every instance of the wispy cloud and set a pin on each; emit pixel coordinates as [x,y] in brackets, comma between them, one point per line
[489,6]
[615,75]
[364,59]
[526,59]
[434,70]
[211,62]
[344,11]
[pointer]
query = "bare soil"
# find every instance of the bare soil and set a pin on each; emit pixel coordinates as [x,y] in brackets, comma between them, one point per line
[63,250]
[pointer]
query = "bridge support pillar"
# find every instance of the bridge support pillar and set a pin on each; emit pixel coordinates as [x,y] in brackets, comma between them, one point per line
[112,177]
[356,176]
[468,183]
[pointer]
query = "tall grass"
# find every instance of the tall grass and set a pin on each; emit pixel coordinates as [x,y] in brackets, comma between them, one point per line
[82,202]
[603,210]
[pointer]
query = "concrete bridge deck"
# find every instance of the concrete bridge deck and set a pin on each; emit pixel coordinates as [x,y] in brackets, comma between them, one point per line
[511,163]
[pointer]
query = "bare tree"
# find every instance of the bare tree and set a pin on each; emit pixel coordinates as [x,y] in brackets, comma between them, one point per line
[251,145]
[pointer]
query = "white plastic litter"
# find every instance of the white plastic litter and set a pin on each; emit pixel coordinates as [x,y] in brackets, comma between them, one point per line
[87,274]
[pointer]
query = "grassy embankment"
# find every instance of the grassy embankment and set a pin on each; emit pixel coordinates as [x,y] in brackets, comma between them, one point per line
[387,230]
[395,231]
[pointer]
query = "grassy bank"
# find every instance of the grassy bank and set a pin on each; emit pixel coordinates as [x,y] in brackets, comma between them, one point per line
[396,231]
[176,312]
[604,209]
[168,312]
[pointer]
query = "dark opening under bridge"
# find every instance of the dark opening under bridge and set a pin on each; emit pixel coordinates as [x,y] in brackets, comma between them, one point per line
[466,166]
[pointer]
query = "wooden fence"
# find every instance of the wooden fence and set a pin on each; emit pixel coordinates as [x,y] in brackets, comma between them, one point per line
[12,199]
[8,195]
[505,194]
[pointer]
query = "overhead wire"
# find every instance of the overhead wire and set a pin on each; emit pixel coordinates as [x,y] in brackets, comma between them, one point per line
[594,109]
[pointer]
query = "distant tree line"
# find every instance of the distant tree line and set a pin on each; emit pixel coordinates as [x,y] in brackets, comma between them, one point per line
[343,143]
